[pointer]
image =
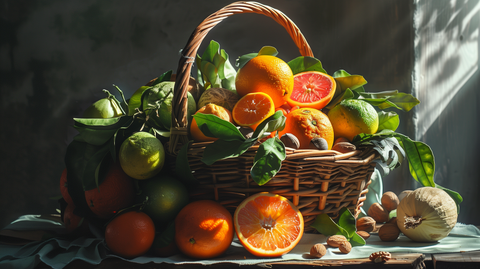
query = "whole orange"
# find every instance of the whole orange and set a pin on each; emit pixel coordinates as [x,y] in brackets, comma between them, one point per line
[213,109]
[130,234]
[72,221]
[203,229]
[308,123]
[117,191]
[268,74]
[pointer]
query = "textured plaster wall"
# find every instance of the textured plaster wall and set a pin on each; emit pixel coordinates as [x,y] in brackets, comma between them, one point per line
[56,57]
[446,79]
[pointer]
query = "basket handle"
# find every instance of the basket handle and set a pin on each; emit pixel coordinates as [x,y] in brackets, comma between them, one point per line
[178,130]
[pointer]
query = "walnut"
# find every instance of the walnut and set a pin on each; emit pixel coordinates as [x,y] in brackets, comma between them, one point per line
[318,251]
[336,240]
[380,256]
[345,247]
[366,224]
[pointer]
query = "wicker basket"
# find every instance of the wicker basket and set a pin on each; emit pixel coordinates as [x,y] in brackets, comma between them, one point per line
[315,181]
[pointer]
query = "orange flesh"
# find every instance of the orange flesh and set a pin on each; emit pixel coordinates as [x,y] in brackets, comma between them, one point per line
[252,109]
[269,223]
[310,87]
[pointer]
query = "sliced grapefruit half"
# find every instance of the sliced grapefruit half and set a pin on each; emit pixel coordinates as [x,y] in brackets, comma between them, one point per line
[268,225]
[311,89]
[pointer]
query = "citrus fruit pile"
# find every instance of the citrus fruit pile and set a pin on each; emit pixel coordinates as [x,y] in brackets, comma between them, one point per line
[117,172]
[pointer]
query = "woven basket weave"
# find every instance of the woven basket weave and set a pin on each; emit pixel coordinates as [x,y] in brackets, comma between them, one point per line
[316,181]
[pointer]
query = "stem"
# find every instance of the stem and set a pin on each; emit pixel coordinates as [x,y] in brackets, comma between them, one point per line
[123,98]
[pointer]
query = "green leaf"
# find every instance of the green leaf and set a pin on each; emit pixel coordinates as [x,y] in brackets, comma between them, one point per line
[242,60]
[351,82]
[136,100]
[182,168]
[341,73]
[421,161]
[213,126]
[222,149]
[347,221]
[388,120]
[92,177]
[357,240]
[160,132]
[268,50]
[215,69]
[455,196]
[306,63]
[276,122]
[347,94]
[326,226]
[383,100]
[268,160]
[210,51]
[99,131]
[163,77]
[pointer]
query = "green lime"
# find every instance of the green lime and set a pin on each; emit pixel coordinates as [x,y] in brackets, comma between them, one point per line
[157,105]
[142,155]
[165,196]
[352,117]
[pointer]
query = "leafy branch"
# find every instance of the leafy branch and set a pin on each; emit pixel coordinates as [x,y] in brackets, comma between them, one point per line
[231,143]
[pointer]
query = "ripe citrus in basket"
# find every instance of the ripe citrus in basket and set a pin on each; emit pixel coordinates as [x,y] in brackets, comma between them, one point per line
[311,89]
[142,155]
[268,74]
[130,234]
[268,225]
[252,109]
[117,191]
[165,196]
[352,117]
[203,229]
[308,123]
[213,109]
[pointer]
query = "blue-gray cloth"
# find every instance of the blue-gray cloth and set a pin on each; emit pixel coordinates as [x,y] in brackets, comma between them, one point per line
[57,252]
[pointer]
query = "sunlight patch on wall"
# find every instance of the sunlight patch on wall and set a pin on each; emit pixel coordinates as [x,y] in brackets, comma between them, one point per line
[446,56]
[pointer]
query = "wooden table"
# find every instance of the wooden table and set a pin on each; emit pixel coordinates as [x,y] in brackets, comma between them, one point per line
[399,260]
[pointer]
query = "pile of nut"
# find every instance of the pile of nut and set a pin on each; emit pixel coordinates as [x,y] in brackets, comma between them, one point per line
[335,241]
[379,213]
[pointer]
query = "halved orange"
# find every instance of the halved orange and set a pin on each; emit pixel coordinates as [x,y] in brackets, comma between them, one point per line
[311,89]
[268,225]
[252,109]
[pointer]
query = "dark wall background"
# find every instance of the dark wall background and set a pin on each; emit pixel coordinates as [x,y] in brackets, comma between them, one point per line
[56,57]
